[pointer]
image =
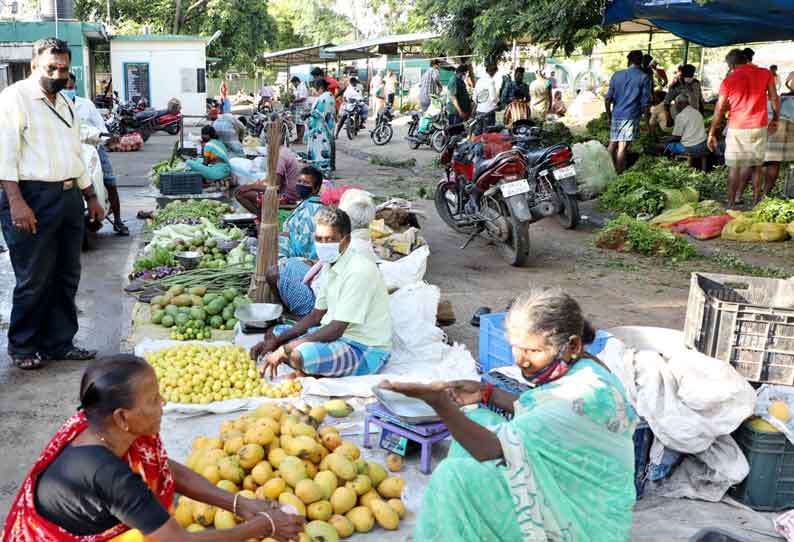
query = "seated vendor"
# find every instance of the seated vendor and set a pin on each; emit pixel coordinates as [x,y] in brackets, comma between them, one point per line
[294,278]
[659,119]
[689,135]
[106,476]
[349,331]
[562,468]
[288,173]
[558,105]
[297,233]
[215,164]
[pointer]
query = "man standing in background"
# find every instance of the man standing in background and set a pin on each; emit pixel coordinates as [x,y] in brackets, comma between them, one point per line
[485,95]
[459,104]
[508,90]
[628,98]
[744,95]
[88,114]
[429,85]
[391,87]
[44,183]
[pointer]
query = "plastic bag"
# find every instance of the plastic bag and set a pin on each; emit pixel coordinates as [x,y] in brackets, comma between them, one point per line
[704,227]
[675,198]
[245,171]
[594,168]
[739,229]
[406,270]
[671,216]
[770,232]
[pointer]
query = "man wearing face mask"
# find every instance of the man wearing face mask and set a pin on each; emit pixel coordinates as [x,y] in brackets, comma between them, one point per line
[349,331]
[688,85]
[44,183]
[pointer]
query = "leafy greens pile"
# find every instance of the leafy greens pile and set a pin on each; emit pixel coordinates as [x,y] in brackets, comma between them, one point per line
[629,235]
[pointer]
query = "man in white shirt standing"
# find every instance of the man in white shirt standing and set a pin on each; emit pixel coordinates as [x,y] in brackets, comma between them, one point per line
[44,183]
[88,114]
[485,95]
[300,106]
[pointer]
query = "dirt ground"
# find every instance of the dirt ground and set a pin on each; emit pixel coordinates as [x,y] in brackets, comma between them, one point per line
[614,289]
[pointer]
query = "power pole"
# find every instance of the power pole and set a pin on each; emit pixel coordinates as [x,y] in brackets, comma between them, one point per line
[177,16]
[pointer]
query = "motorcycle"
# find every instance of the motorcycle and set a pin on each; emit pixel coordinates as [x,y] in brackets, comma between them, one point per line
[352,118]
[503,194]
[430,128]
[383,131]
[265,105]
[258,125]
[128,120]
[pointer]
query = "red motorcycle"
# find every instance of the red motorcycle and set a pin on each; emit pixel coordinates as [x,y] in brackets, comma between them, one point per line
[132,119]
[500,188]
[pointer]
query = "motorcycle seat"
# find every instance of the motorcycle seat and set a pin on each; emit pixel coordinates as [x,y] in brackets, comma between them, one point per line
[534,155]
[145,115]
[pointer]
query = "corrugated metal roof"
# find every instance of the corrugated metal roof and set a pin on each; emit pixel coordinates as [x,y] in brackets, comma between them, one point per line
[385,41]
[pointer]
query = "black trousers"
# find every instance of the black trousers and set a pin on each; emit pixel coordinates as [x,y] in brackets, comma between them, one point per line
[47,269]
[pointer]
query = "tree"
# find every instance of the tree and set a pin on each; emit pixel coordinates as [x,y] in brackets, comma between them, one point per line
[487,29]
[308,22]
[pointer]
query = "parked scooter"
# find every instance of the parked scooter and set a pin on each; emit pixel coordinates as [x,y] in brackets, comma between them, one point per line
[352,118]
[383,131]
[147,122]
[425,129]
[500,196]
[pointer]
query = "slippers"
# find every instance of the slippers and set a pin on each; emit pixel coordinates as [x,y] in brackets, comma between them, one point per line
[27,363]
[143,215]
[121,229]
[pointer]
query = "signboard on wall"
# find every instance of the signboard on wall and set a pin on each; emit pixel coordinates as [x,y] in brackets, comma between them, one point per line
[136,81]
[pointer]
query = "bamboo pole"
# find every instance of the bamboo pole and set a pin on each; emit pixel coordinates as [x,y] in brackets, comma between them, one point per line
[267,247]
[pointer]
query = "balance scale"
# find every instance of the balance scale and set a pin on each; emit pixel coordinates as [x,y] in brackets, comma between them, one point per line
[396,434]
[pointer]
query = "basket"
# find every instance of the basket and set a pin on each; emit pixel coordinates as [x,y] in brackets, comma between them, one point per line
[746,321]
[770,485]
[181,182]
[495,350]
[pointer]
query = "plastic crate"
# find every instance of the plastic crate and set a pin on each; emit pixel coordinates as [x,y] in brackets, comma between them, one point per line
[181,182]
[712,534]
[495,350]
[643,440]
[746,321]
[770,485]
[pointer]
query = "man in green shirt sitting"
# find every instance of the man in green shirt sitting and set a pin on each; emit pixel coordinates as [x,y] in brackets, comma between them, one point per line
[459,105]
[349,331]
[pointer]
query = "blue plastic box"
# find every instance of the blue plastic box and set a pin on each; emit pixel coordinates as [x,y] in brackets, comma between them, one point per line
[495,350]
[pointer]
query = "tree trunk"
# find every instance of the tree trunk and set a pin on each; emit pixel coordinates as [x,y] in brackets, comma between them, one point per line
[177,16]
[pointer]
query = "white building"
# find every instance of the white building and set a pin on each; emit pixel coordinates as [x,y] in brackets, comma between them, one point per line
[159,67]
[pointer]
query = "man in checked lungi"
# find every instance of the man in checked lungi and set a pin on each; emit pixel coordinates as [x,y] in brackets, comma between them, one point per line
[349,331]
[744,95]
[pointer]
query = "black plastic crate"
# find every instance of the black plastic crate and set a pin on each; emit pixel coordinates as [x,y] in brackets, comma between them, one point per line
[181,182]
[745,321]
[770,485]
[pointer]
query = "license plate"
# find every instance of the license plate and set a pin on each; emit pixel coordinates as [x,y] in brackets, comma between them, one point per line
[515,188]
[564,172]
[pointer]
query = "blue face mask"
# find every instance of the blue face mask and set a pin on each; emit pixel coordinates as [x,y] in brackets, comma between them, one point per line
[70,94]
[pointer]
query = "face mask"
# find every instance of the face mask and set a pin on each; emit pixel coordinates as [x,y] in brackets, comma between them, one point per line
[327,252]
[556,369]
[52,86]
[70,94]
[303,191]
[687,79]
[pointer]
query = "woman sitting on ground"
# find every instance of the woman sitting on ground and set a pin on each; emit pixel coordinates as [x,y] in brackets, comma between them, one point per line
[215,164]
[562,468]
[105,476]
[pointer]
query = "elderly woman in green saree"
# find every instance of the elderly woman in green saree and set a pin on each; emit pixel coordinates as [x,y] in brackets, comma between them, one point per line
[562,468]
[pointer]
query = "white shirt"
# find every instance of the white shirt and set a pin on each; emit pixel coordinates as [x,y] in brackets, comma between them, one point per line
[689,126]
[301,92]
[35,144]
[352,93]
[485,94]
[89,114]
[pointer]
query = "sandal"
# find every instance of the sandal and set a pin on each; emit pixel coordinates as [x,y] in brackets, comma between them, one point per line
[73,354]
[121,229]
[143,215]
[27,363]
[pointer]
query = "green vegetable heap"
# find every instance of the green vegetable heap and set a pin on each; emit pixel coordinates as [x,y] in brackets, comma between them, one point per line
[629,235]
[193,313]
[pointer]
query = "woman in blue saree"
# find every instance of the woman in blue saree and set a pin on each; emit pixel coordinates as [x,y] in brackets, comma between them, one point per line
[562,468]
[320,146]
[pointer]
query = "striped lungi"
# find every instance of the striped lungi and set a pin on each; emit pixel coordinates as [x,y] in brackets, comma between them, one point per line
[745,147]
[780,145]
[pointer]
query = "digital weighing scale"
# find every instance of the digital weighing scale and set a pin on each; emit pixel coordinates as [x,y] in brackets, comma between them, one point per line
[397,434]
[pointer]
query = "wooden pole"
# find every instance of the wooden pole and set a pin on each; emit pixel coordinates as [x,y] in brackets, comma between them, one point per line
[267,248]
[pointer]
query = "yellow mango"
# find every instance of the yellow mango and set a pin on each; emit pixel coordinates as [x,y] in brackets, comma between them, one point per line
[385,515]
[319,510]
[343,500]
[391,487]
[291,500]
[362,518]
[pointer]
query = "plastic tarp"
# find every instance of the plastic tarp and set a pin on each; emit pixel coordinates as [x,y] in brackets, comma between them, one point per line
[714,23]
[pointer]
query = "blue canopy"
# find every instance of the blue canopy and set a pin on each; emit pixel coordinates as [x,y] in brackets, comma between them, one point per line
[714,23]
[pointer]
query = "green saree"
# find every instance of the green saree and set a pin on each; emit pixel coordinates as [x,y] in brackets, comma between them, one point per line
[567,473]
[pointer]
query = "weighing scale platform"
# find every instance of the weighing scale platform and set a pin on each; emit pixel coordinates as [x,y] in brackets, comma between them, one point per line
[395,433]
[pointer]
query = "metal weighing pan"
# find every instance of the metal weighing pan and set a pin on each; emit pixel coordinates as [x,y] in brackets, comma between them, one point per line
[258,314]
[406,408]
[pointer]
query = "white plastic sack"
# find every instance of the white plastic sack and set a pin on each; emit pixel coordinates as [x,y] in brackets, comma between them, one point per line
[405,271]
[594,168]
[245,170]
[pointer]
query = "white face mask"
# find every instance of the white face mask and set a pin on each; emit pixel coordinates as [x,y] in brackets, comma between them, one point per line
[327,252]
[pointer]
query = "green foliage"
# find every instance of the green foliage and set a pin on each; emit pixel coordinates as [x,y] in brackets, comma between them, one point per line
[734,263]
[628,235]
[303,22]
[487,29]
[775,211]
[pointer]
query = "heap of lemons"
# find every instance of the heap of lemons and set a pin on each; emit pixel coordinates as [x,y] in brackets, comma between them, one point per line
[282,454]
[201,374]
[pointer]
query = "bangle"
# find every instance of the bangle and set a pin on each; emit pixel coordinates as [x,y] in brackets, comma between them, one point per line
[234,504]
[272,523]
[486,394]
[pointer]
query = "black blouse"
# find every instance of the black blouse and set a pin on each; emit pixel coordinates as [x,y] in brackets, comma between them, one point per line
[87,490]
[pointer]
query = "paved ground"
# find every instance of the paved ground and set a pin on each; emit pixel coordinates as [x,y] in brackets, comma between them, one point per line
[613,289]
